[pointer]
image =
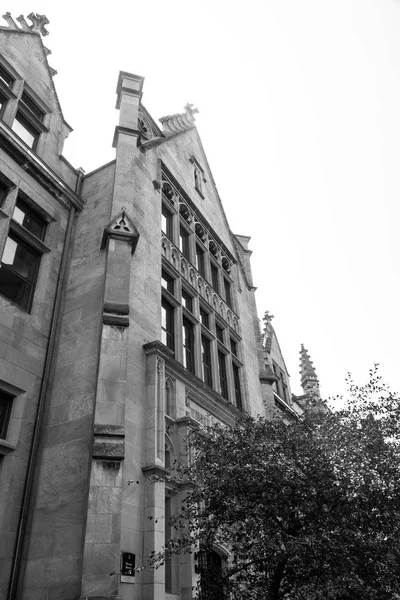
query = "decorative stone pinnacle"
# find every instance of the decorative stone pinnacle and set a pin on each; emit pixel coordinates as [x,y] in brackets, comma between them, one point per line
[267,318]
[38,23]
[23,23]
[11,23]
[179,122]
[309,379]
[190,110]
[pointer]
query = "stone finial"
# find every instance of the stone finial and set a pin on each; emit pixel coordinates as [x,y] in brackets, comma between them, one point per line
[267,318]
[309,379]
[11,23]
[179,122]
[23,23]
[38,23]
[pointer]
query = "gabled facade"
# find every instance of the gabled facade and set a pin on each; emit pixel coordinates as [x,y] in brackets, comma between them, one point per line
[127,316]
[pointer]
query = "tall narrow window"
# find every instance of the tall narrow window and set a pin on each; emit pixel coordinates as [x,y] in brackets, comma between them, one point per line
[5,77]
[166,223]
[28,120]
[198,179]
[21,257]
[200,261]
[227,290]
[187,301]
[280,385]
[223,382]
[206,360]
[188,345]
[184,242]
[3,192]
[236,385]
[234,347]
[215,277]
[204,317]
[5,411]
[167,324]
[219,332]
[167,282]
[6,83]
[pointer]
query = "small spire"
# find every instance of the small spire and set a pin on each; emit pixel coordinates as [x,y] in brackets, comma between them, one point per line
[10,21]
[179,122]
[38,23]
[309,379]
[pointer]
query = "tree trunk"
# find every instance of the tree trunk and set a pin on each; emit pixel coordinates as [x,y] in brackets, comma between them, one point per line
[276,580]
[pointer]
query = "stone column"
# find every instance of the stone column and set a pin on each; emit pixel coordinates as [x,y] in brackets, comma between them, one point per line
[101,563]
[154,469]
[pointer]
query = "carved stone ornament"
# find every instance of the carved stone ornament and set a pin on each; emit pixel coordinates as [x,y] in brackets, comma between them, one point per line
[121,228]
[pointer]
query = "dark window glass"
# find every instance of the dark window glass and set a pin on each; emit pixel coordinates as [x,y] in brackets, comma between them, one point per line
[227,289]
[6,77]
[280,385]
[223,382]
[188,345]
[31,105]
[204,318]
[166,223]
[219,332]
[197,179]
[200,261]
[168,191]
[18,271]
[5,412]
[236,384]
[2,102]
[214,278]
[3,192]
[167,282]
[234,347]
[206,360]
[25,130]
[187,301]
[24,215]
[184,242]
[167,324]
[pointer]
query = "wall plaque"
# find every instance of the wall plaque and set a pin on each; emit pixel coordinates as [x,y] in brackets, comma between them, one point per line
[127,567]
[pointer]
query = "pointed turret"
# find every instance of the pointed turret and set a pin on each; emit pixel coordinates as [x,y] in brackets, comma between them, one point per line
[309,379]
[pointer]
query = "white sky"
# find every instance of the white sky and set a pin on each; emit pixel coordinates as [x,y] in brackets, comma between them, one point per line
[299,116]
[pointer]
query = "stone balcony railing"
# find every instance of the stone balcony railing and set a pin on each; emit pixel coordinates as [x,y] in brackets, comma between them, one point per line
[175,257]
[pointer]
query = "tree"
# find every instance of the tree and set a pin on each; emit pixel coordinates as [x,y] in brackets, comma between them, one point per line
[307,510]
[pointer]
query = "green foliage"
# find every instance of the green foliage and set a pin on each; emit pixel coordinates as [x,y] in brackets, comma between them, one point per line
[306,510]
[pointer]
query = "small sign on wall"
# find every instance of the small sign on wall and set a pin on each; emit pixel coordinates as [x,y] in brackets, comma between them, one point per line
[127,567]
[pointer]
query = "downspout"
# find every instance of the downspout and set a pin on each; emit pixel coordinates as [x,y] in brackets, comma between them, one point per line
[48,363]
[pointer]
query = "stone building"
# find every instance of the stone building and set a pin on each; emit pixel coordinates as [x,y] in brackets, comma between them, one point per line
[127,316]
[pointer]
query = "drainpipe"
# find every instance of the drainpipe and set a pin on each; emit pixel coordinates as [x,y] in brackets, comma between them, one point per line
[48,363]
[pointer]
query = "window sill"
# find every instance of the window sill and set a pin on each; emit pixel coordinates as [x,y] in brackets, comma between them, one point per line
[6,447]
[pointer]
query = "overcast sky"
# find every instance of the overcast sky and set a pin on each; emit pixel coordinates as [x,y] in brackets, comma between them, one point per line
[299,115]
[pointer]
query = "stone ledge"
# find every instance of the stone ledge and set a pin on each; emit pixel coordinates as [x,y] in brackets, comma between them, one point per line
[117,320]
[109,430]
[117,308]
[108,450]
